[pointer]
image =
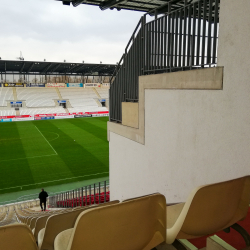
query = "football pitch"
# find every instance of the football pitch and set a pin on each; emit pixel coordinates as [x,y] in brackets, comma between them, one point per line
[35,154]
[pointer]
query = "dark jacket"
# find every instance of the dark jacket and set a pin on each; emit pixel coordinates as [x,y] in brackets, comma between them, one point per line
[43,195]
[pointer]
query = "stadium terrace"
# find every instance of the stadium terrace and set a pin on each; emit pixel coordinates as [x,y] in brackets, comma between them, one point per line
[167,169]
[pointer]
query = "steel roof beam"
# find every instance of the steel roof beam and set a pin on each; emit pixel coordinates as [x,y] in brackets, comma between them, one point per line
[55,67]
[110,4]
[71,68]
[21,70]
[46,68]
[78,2]
[30,67]
[79,68]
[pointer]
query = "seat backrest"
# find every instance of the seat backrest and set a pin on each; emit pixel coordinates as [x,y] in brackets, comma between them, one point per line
[17,236]
[41,221]
[217,206]
[60,222]
[135,224]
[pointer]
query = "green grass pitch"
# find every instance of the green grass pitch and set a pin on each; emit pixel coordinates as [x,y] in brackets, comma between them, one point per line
[43,153]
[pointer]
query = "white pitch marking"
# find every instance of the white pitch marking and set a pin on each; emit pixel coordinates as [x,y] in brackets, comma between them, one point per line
[46,139]
[54,181]
[27,157]
[56,137]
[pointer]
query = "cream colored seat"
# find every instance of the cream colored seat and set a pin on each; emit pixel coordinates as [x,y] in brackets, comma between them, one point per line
[138,224]
[60,222]
[17,237]
[209,209]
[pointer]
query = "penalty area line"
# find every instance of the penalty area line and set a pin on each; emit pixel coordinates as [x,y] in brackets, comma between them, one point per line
[54,181]
[31,157]
[45,139]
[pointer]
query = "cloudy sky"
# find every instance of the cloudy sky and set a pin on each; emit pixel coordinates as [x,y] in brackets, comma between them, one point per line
[46,29]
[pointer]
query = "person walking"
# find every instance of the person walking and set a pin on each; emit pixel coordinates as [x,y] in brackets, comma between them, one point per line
[43,198]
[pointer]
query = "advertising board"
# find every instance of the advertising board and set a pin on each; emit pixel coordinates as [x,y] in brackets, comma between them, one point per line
[105,84]
[87,85]
[35,84]
[12,84]
[64,116]
[53,84]
[19,84]
[8,84]
[61,101]
[81,116]
[23,119]
[74,84]
[6,120]
[98,115]
[13,116]
[16,102]
[39,117]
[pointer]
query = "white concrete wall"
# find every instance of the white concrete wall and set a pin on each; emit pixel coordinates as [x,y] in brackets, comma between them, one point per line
[192,137]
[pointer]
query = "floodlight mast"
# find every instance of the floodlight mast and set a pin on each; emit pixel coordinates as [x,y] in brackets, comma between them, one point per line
[21,56]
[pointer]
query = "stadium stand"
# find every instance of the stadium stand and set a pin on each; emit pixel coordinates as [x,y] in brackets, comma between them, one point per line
[33,111]
[42,100]
[6,112]
[81,100]
[37,98]
[87,109]
[5,94]
[103,92]
[139,223]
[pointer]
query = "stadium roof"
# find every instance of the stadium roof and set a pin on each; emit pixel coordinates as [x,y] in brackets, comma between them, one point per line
[59,68]
[136,5]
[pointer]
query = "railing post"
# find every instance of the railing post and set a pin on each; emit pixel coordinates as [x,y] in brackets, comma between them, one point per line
[90,198]
[86,194]
[99,192]
[105,191]
[82,196]
[143,42]
[94,193]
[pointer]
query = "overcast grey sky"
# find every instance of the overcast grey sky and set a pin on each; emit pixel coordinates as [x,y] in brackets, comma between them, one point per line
[46,29]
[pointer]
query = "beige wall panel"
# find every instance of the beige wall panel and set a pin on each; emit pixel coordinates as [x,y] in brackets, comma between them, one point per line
[130,114]
[192,137]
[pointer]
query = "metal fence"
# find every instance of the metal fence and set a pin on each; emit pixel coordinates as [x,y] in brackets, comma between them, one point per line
[98,193]
[183,39]
[91,194]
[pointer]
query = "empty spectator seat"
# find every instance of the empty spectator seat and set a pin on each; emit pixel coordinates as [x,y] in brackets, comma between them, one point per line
[209,209]
[136,224]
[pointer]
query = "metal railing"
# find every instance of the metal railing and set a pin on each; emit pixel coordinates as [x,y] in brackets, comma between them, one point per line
[55,200]
[182,39]
[79,196]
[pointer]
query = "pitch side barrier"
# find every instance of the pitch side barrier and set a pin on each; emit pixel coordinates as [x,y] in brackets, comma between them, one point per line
[13,118]
[95,193]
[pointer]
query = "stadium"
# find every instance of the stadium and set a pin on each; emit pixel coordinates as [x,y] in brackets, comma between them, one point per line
[150,153]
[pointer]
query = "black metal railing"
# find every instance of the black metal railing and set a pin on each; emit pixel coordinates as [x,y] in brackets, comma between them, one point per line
[91,194]
[183,39]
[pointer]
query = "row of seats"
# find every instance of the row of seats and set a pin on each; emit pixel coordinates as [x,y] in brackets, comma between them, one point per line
[85,200]
[6,94]
[80,97]
[103,92]
[7,112]
[37,97]
[87,109]
[134,224]
[34,111]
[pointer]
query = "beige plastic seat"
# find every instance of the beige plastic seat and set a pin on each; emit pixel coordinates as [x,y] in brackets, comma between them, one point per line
[17,237]
[60,222]
[209,209]
[139,224]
